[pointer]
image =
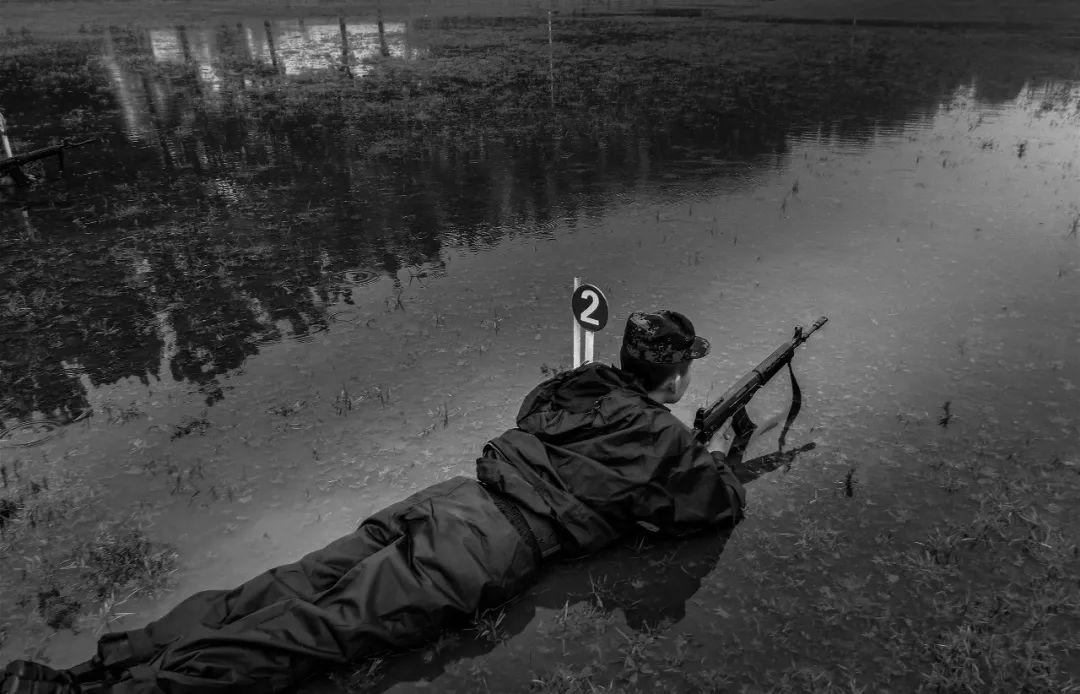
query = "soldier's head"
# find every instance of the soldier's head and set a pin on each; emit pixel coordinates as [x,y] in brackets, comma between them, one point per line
[657,348]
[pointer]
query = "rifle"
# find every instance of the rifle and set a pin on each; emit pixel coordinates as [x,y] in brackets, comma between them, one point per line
[732,404]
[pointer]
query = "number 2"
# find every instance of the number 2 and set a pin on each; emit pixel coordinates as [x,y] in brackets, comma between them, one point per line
[594,303]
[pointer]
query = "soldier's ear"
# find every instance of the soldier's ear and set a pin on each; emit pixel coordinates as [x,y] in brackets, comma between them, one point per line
[671,387]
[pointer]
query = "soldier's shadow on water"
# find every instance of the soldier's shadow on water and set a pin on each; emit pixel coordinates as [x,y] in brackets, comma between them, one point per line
[649,579]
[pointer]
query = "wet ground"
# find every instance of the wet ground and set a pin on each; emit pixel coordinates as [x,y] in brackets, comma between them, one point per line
[316,260]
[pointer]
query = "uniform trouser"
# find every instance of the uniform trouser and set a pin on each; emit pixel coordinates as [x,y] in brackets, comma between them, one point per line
[408,572]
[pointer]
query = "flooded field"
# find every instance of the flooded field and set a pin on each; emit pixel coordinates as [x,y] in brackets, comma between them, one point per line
[316,260]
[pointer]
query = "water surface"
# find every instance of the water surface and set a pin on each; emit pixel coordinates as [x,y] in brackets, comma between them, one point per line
[316,262]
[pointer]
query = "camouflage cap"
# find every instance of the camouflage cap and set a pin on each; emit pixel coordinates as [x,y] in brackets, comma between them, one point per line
[664,337]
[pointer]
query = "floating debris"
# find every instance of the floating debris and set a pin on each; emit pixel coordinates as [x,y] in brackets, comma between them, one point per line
[943,420]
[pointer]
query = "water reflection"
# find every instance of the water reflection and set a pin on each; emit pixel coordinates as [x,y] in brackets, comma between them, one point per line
[293,48]
[648,581]
[157,72]
[245,199]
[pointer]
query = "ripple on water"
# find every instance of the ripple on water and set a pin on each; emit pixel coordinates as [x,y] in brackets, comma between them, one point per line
[284,332]
[345,316]
[553,224]
[358,277]
[31,433]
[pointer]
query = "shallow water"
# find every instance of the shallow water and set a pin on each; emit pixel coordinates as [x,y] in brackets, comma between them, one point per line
[259,311]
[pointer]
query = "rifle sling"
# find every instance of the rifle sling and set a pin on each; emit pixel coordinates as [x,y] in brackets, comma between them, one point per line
[743,427]
[796,405]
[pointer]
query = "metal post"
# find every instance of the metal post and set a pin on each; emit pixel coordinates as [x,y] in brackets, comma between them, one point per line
[577,332]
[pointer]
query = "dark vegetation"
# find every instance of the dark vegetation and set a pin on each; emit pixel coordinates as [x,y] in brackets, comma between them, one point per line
[384,170]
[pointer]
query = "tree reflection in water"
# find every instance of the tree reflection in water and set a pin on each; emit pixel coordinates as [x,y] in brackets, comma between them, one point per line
[253,167]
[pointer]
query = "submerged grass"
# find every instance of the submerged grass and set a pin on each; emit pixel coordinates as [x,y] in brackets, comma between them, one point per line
[982,597]
[58,578]
[979,595]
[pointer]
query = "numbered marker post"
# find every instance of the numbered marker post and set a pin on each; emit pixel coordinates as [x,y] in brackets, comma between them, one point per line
[590,310]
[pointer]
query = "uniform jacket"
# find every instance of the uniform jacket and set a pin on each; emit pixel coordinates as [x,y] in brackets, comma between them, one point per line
[595,454]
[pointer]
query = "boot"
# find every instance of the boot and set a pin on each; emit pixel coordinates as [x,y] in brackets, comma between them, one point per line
[26,677]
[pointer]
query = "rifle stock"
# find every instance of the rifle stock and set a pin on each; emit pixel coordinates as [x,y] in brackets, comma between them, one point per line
[709,420]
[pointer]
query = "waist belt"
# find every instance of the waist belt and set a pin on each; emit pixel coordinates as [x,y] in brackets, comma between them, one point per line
[538,532]
[119,651]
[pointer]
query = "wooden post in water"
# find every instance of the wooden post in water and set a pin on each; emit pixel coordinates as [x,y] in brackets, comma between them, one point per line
[14,174]
[383,48]
[270,45]
[344,44]
[4,137]
[31,232]
[185,45]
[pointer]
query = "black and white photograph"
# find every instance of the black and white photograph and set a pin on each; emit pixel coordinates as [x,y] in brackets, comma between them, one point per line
[539,346]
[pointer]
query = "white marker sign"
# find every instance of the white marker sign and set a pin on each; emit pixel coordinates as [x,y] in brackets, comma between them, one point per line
[590,308]
[590,311]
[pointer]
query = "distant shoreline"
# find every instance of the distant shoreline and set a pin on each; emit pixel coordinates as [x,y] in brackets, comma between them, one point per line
[1051,14]
[1055,16]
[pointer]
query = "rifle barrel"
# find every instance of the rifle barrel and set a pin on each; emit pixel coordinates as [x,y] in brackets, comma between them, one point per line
[709,419]
[814,328]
